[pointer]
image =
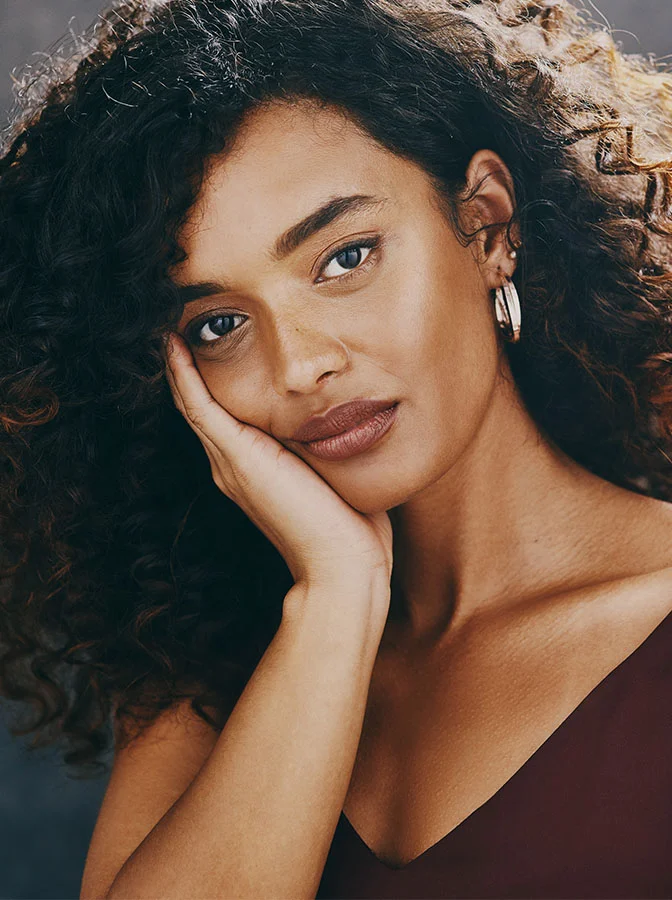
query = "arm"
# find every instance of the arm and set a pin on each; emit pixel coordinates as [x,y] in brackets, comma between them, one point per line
[259,817]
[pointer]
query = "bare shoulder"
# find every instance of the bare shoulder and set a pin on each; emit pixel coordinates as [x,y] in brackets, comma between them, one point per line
[176,725]
[636,537]
[151,770]
[637,555]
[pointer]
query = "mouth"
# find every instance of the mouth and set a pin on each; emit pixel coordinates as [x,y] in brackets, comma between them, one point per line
[354,440]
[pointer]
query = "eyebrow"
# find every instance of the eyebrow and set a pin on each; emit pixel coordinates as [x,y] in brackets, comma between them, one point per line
[329,212]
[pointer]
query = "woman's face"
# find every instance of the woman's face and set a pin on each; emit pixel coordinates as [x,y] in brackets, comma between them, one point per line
[405,315]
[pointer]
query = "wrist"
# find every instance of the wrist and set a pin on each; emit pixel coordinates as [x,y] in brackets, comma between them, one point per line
[355,602]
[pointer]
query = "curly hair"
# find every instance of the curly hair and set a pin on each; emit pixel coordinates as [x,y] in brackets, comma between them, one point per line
[128,580]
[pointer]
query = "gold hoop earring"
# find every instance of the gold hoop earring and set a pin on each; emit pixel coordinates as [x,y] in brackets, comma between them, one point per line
[507,309]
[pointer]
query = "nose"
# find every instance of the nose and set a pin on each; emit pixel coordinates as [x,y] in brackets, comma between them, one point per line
[306,358]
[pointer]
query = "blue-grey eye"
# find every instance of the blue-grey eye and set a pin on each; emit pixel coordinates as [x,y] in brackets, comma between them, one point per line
[218,327]
[348,258]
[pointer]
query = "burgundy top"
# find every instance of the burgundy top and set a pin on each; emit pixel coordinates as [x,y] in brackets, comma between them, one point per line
[588,815]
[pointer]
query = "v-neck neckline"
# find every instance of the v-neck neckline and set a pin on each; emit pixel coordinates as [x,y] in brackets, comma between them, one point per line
[652,636]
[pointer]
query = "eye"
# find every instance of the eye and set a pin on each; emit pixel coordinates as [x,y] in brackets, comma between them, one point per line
[350,258]
[218,326]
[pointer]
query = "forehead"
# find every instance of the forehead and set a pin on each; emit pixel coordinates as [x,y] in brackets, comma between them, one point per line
[284,162]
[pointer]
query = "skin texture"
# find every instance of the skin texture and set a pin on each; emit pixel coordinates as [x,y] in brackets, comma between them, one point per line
[465,472]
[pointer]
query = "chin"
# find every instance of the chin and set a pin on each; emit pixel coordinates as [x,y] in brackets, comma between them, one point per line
[376,491]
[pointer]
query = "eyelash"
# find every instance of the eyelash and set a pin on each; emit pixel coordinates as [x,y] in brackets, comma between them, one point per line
[373,243]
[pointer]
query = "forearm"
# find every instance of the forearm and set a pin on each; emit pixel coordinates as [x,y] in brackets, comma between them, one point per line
[258,819]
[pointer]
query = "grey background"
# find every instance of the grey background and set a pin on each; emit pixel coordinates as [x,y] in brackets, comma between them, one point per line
[46,817]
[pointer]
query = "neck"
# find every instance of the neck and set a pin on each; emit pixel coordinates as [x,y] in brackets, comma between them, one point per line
[513,519]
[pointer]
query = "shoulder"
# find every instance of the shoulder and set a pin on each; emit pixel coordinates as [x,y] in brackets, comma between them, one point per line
[153,766]
[635,551]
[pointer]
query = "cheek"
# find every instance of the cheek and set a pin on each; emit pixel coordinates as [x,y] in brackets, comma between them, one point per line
[237,392]
[451,358]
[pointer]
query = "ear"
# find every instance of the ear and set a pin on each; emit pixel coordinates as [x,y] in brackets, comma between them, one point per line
[490,203]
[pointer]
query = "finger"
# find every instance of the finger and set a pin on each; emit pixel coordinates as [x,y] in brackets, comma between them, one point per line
[171,380]
[196,403]
[173,368]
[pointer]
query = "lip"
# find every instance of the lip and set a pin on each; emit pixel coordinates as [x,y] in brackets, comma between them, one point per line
[355,440]
[339,419]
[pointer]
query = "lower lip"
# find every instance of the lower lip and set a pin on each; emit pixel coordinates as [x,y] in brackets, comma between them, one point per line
[356,440]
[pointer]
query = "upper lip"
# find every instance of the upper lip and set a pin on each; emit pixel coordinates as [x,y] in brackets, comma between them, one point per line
[340,419]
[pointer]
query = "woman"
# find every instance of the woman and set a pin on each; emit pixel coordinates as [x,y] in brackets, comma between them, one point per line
[401,270]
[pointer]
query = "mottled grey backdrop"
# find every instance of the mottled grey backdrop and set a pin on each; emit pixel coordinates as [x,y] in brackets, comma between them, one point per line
[46,818]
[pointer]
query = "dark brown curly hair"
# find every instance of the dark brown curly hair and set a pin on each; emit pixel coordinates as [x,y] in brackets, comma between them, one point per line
[128,580]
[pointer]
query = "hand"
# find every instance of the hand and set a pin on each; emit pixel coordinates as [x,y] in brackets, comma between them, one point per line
[320,536]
